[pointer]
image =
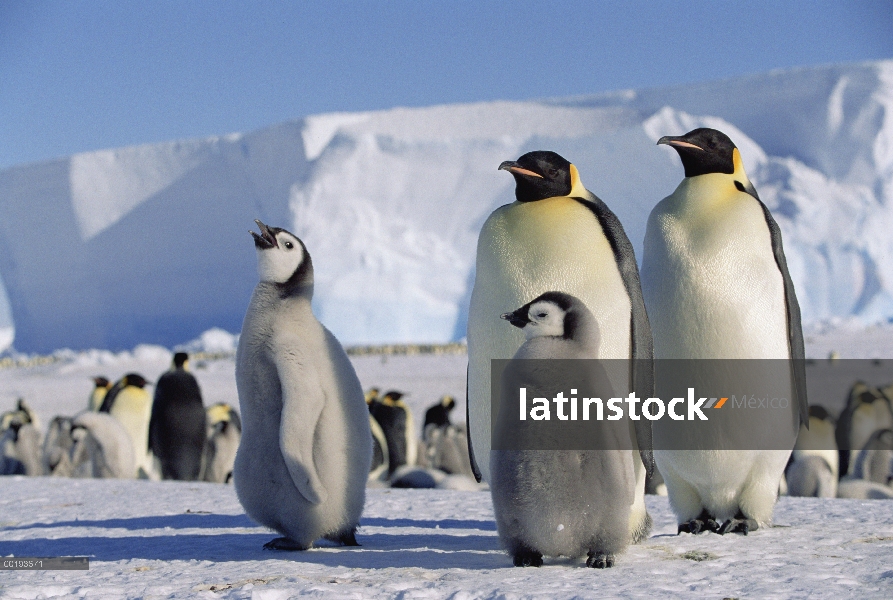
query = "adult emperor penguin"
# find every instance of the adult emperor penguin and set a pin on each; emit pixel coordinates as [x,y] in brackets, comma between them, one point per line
[131,404]
[304,456]
[716,285]
[396,422]
[556,236]
[558,502]
[177,429]
[101,386]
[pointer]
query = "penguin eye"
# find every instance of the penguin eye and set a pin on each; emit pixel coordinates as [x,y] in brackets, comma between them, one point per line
[553,172]
[288,245]
[543,315]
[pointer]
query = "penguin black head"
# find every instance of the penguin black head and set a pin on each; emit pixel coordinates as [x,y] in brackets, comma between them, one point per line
[705,151]
[101,382]
[180,359]
[550,314]
[135,379]
[819,412]
[541,174]
[372,395]
[283,260]
[392,397]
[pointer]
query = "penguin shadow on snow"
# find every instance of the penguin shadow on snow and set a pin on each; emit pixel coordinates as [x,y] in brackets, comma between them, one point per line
[430,549]
[180,521]
[429,523]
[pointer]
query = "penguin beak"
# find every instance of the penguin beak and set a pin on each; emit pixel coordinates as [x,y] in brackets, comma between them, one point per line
[266,239]
[513,167]
[515,319]
[677,142]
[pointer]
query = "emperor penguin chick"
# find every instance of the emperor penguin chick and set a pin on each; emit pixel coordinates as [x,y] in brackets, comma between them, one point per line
[131,404]
[814,463]
[716,285]
[558,502]
[305,451]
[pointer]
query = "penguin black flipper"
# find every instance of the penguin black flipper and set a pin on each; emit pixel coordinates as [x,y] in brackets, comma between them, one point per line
[474,465]
[641,341]
[109,399]
[795,328]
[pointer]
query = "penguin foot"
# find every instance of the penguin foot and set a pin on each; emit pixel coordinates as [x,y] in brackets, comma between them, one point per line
[345,538]
[600,560]
[527,558]
[740,525]
[702,524]
[285,544]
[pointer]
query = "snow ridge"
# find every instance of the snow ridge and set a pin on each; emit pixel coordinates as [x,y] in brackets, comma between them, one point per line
[148,244]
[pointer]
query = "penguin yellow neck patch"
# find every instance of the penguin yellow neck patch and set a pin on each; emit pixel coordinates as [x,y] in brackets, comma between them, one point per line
[578,190]
[739,172]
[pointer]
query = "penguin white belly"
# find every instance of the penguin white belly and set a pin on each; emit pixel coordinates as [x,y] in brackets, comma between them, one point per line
[710,280]
[341,441]
[133,409]
[515,243]
[714,291]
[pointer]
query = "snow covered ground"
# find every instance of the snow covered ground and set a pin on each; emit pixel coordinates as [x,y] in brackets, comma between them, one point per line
[172,540]
[177,539]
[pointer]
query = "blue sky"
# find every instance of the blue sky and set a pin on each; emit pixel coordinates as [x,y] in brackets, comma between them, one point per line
[85,75]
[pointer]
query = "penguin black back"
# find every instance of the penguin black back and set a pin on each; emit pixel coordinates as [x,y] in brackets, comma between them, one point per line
[391,415]
[539,175]
[177,429]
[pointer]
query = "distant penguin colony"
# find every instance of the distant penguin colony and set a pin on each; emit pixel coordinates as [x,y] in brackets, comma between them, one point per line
[556,236]
[177,427]
[560,502]
[305,452]
[717,286]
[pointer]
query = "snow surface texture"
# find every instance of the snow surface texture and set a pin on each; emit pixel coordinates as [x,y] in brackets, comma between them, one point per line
[185,539]
[149,245]
[175,539]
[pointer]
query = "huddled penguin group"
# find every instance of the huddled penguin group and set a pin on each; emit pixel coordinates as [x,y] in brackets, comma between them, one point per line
[125,433]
